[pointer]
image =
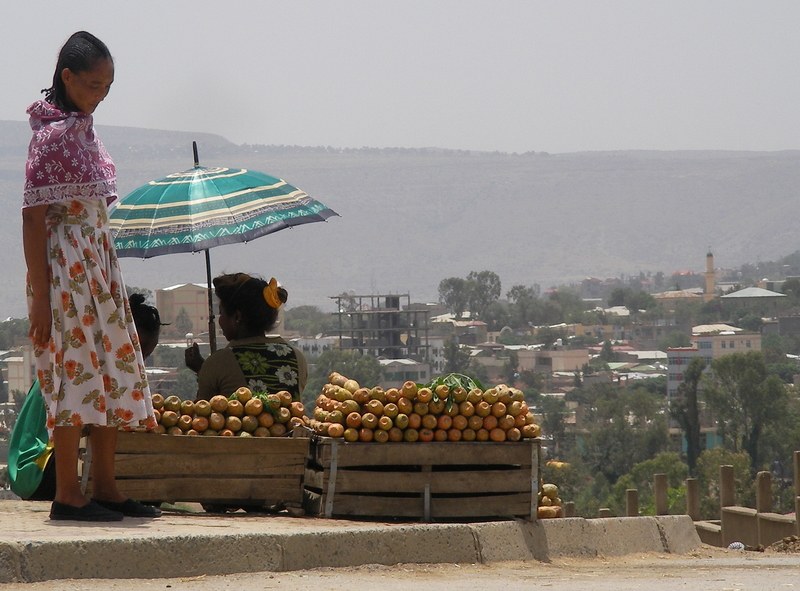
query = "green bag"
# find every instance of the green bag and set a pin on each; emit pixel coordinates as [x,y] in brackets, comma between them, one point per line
[31,467]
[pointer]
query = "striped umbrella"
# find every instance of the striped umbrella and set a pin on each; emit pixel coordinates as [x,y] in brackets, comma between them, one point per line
[200,208]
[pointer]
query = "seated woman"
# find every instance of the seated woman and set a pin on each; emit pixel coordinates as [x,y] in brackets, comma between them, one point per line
[31,455]
[248,308]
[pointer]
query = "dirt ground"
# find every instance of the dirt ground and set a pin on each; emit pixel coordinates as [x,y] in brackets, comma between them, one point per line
[706,569]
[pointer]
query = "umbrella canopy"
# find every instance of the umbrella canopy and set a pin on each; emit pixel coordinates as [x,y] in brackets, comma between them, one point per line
[200,208]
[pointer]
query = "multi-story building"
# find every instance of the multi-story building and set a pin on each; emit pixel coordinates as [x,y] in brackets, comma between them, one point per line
[383,326]
[190,299]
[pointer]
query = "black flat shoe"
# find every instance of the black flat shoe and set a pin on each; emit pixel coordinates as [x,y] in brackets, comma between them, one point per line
[90,512]
[131,508]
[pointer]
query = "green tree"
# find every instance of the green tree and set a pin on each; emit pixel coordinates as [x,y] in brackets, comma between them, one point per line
[624,426]
[686,412]
[675,339]
[554,412]
[708,479]
[454,294]
[13,332]
[183,324]
[524,301]
[641,478]
[485,289]
[308,320]
[456,359]
[511,368]
[607,352]
[745,399]
[186,384]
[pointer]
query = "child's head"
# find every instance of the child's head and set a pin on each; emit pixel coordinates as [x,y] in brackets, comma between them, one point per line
[74,89]
[148,323]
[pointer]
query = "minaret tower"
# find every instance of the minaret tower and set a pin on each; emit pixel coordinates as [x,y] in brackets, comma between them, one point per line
[708,295]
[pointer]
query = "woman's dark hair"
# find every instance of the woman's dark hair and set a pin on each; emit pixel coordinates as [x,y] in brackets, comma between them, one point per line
[243,293]
[145,317]
[80,53]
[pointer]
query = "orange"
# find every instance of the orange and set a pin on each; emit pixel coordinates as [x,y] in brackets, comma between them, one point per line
[169,418]
[497,435]
[460,422]
[401,421]
[335,430]
[425,435]
[405,406]
[440,435]
[498,409]
[265,419]
[353,420]
[410,435]
[429,421]
[466,408]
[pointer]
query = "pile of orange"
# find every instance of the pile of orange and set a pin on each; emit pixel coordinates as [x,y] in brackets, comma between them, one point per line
[412,413]
[242,414]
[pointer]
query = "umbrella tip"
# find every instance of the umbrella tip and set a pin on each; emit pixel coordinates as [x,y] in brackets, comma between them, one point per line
[196,158]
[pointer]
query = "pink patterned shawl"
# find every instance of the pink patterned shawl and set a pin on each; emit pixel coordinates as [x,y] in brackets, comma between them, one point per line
[66,159]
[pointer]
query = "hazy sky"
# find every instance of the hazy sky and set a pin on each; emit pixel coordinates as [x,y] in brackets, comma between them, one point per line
[514,76]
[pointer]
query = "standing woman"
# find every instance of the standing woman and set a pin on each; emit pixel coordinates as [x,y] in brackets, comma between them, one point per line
[88,356]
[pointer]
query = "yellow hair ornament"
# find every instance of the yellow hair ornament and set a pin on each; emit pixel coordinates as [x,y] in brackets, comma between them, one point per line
[271,294]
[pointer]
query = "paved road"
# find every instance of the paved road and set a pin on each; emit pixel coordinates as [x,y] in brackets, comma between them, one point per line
[707,570]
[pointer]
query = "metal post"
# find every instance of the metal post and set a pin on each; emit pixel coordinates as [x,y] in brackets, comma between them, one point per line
[604,512]
[212,329]
[569,508]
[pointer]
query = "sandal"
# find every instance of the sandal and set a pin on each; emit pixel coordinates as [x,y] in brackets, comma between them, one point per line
[131,508]
[92,511]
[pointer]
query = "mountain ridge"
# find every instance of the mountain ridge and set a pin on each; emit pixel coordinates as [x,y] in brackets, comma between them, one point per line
[413,216]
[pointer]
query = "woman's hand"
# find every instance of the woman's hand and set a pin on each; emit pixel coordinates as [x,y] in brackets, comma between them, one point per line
[41,321]
[193,359]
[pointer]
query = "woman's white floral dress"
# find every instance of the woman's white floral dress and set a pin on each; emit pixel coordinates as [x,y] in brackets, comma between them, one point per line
[92,371]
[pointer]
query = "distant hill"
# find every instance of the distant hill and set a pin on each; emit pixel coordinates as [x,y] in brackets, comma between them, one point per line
[411,217]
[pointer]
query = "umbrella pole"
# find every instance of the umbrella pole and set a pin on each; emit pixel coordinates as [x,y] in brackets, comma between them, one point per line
[212,332]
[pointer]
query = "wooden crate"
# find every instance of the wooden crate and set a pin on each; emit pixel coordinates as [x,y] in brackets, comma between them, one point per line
[259,471]
[445,481]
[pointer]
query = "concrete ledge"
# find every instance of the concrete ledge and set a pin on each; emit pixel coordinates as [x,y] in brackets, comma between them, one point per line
[171,546]
[710,532]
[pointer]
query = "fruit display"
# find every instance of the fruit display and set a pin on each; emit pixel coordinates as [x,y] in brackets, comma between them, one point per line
[549,505]
[452,408]
[242,414]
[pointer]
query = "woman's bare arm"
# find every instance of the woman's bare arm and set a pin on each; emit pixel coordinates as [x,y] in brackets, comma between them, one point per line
[34,242]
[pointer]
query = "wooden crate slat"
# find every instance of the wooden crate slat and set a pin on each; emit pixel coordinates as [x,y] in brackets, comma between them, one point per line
[371,506]
[498,505]
[151,443]
[428,453]
[269,489]
[184,464]
[476,480]
[471,481]
[517,505]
